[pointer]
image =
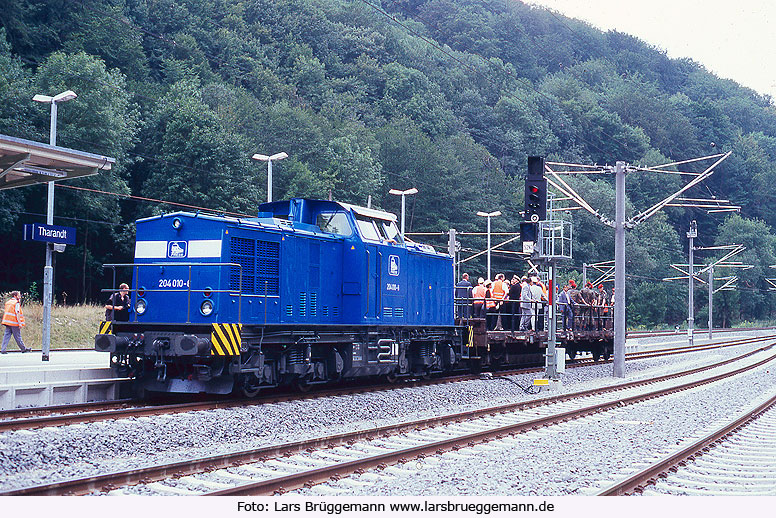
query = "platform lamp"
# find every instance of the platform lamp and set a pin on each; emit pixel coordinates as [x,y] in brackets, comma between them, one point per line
[489,215]
[403,194]
[48,271]
[269,159]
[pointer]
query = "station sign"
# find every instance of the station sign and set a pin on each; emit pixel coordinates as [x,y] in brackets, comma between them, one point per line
[49,234]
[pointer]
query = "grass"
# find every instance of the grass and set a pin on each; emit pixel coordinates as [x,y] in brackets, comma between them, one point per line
[72,327]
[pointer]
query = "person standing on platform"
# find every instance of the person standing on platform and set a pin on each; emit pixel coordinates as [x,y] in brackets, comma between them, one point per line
[478,293]
[611,305]
[490,307]
[514,304]
[499,292]
[588,296]
[576,304]
[463,297]
[539,298]
[118,305]
[603,307]
[525,305]
[13,321]
[564,301]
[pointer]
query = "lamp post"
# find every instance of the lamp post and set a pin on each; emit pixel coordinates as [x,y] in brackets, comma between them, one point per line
[269,159]
[48,271]
[489,215]
[402,194]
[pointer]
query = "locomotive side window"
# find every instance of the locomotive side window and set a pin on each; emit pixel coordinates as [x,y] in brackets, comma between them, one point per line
[390,231]
[367,228]
[333,223]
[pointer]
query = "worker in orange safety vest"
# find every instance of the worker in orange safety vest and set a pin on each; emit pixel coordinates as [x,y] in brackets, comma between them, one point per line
[499,293]
[478,294]
[13,321]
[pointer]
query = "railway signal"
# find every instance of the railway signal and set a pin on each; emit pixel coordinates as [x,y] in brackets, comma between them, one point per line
[535,191]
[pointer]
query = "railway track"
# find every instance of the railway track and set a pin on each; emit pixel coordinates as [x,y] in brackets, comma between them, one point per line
[735,459]
[672,332]
[657,332]
[30,418]
[287,466]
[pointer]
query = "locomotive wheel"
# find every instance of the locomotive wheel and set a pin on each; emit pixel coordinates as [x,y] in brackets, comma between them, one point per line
[607,354]
[250,392]
[248,388]
[572,353]
[301,385]
[391,378]
[596,354]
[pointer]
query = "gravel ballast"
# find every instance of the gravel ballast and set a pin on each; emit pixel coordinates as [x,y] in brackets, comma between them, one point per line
[547,462]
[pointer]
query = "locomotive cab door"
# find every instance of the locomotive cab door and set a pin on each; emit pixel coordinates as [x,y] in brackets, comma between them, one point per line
[383,252]
[370,301]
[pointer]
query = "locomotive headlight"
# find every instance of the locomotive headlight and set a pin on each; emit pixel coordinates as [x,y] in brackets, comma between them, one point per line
[140,307]
[177,223]
[206,308]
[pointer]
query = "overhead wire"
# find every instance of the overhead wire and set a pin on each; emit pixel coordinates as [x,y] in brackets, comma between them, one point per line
[154,200]
[81,220]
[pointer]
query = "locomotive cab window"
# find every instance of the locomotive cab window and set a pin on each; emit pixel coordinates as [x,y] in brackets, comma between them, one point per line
[367,227]
[378,229]
[334,223]
[390,231]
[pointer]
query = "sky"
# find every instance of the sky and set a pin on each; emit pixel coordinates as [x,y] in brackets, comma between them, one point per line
[734,39]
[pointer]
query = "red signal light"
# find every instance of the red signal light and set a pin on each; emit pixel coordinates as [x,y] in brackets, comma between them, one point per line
[534,189]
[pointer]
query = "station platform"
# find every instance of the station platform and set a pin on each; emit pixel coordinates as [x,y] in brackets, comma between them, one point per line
[69,377]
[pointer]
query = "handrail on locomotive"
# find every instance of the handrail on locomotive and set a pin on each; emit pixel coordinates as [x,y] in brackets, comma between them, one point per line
[188,289]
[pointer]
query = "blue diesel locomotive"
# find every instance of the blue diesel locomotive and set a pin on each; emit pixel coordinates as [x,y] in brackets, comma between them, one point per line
[308,292]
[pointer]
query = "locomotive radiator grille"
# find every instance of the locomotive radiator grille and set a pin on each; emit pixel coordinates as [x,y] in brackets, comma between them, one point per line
[259,264]
[225,339]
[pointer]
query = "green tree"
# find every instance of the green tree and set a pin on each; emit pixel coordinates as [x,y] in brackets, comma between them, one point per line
[16,112]
[204,163]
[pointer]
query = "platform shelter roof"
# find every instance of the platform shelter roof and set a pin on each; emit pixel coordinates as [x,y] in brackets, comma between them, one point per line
[26,162]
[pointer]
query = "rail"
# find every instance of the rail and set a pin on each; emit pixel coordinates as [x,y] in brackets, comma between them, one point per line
[188,290]
[264,453]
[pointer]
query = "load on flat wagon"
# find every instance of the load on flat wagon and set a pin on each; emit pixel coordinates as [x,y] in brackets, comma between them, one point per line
[307,292]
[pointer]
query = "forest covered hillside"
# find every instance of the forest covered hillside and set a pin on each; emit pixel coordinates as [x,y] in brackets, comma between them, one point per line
[449,96]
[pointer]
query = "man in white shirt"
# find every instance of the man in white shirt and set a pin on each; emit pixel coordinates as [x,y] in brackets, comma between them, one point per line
[525,305]
[537,294]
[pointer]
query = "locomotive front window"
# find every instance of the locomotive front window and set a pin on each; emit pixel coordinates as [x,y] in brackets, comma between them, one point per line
[367,228]
[334,223]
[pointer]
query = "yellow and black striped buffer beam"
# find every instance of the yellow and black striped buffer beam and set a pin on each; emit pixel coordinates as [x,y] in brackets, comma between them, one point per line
[105,328]
[225,339]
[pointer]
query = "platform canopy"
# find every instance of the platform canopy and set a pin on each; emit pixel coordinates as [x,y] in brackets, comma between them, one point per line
[25,162]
